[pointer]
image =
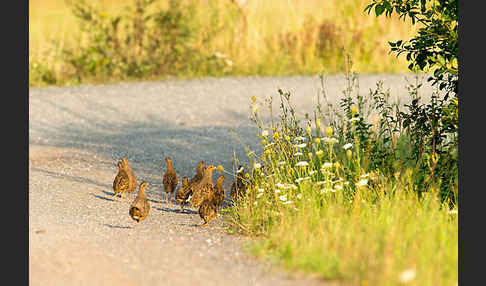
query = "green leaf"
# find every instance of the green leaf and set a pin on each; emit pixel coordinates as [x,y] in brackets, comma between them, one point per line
[379,9]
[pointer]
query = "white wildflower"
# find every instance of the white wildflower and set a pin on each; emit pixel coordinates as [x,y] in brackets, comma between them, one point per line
[346,183]
[362,183]
[277,191]
[287,202]
[364,176]
[327,165]
[338,187]
[329,140]
[302,145]
[407,275]
[299,196]
[283,197]
[347,146]
[302,164]
[298,180]
[265,133]
[259,195]
[257,165]
[280,185]
[260,190]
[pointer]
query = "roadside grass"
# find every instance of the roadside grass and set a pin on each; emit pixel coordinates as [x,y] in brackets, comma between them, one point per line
[343,194]
[110,41]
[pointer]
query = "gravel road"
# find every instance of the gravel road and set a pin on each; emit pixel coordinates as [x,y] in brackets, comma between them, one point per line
[79,236]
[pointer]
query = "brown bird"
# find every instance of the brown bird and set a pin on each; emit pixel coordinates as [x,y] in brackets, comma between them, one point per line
[219,191]
[132,178]
[121,183]
[204,188]
[199,174]
[169,180]
[208,210]
[183,193]
[238,188]
[140,207]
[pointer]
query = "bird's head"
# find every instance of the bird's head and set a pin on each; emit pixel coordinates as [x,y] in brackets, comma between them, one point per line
[143,185]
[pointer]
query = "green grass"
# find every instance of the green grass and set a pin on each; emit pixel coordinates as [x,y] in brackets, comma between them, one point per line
[325,200]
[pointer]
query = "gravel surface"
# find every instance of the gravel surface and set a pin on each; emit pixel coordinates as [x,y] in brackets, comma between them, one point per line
[79,236]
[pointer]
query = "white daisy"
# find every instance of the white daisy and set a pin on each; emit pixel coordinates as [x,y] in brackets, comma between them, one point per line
[327,165]
[302,145]
[302,164]
[347,146]
[362,183]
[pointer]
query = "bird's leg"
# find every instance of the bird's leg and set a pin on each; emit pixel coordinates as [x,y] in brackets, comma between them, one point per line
[169,195]
[114,196]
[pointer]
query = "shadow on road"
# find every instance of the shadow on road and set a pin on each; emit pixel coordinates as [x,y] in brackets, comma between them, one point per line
[146,143]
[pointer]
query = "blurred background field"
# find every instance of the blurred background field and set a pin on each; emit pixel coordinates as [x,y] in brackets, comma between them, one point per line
[205,38]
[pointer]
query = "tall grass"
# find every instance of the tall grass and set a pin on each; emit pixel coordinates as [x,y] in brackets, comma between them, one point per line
[343,193]
[272,37]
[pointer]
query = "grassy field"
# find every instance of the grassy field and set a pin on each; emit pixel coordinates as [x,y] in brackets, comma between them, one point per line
[272,37]
[343,196]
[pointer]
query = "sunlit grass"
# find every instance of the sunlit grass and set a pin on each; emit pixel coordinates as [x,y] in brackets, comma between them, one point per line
[314,202]
[272,37]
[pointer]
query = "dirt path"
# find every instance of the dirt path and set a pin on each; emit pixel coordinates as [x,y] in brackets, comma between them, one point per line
[79,236]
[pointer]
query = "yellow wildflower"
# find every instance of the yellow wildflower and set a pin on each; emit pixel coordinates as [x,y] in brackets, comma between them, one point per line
[329,131]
